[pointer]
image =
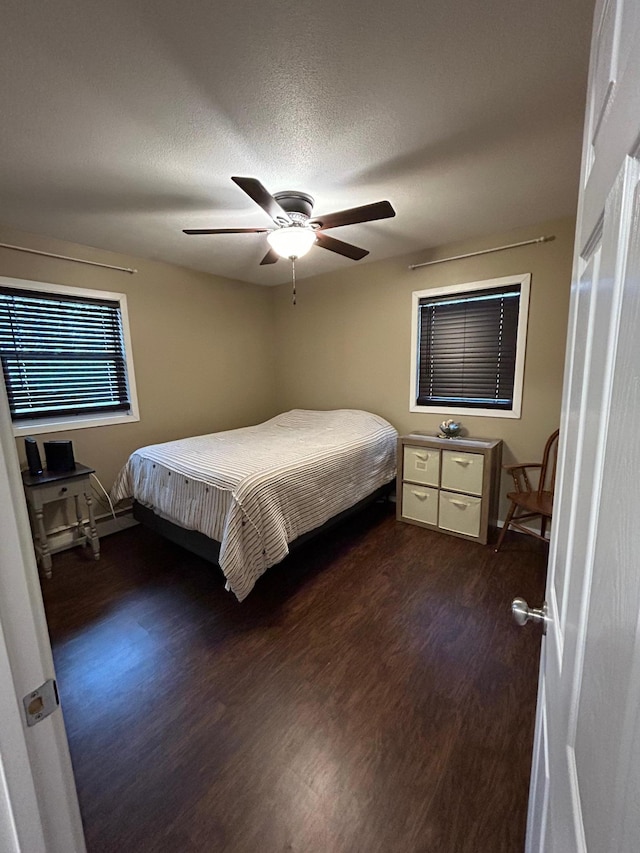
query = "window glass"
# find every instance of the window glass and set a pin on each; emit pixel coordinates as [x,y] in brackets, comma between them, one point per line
[469,347]
[64,356]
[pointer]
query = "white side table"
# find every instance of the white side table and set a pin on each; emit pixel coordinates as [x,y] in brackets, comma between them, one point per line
[55,486]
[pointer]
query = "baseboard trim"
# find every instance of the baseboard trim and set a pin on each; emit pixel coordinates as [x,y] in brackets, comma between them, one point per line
[533,526]
[62,538]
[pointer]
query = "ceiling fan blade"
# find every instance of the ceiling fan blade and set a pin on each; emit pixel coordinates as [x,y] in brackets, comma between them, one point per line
[263,197]
[226,230]
[342,248]
[270,258]
[366,213]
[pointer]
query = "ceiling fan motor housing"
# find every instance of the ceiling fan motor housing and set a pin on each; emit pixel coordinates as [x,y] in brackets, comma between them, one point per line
[297,205]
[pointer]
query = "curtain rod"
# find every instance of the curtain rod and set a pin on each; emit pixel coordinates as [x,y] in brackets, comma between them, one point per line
[485,251]
[66,258]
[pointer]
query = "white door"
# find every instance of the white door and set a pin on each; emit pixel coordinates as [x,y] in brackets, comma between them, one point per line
[38,805]
[585,792]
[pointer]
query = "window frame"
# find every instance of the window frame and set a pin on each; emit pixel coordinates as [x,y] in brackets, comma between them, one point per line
[524,280]
[70,422]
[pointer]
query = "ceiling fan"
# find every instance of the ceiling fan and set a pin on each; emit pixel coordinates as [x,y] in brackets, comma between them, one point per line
[296,231]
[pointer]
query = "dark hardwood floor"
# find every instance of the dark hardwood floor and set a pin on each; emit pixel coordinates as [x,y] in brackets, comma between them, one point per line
[372,695]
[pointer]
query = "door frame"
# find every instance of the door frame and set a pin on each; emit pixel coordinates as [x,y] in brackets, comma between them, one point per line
[39,810]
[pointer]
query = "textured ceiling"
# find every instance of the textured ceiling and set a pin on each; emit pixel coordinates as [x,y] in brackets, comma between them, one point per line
[122,122]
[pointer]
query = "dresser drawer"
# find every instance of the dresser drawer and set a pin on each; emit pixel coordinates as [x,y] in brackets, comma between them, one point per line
[41,495]
[460,513]
[462,472]
[419,503]
[422,465]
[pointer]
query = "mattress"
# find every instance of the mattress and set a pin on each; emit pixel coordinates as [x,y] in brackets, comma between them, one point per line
[258,488]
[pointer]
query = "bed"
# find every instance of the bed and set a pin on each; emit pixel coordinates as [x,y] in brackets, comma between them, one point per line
[254,491]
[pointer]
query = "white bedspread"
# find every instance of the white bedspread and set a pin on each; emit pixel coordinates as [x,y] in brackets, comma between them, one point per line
[258,488]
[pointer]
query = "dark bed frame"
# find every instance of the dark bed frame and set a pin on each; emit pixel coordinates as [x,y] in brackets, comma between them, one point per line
[209,549]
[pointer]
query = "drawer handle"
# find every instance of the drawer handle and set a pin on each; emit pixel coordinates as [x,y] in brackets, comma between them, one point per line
[422,495]
[461,461]
[424,456]
[461,504]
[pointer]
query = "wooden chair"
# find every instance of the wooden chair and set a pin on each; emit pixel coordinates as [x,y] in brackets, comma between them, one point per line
[531,502]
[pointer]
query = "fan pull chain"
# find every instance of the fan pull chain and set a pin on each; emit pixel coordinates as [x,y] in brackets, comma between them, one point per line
[293,273]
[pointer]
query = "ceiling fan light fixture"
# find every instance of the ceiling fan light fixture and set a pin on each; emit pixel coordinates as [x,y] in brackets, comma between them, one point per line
[292,241]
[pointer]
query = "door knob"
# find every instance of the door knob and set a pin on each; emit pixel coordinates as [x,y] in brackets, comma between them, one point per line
[522,613]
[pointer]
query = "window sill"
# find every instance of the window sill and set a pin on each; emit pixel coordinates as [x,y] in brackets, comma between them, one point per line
[467,412]
[71,423]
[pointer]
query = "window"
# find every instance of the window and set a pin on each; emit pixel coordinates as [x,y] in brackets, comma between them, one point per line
[66,357]
[468,346]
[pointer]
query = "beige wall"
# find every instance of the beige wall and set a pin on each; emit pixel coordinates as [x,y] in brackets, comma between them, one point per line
[202,347]
[212,353]
[347,341]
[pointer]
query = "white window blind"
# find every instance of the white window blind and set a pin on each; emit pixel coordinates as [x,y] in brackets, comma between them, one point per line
[62,354]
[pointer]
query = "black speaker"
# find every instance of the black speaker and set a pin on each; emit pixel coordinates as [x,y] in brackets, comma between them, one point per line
[33,456]
[59,455]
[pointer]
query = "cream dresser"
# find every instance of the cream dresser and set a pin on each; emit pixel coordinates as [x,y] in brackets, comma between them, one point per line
[449,484]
